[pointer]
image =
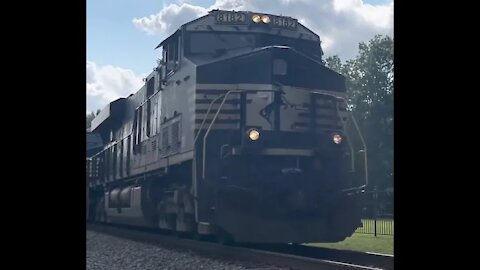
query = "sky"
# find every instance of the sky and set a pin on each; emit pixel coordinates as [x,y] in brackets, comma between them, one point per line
[122,34]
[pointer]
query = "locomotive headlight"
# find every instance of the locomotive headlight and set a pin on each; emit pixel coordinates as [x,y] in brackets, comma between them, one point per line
[265,19]
[256,18]
[253,134]
[337,139]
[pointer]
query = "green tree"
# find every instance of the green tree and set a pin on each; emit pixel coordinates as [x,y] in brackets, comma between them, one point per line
[90,118]
[334,63]
[369,79]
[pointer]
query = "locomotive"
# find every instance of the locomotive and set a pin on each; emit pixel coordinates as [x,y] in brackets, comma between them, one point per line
[240,132]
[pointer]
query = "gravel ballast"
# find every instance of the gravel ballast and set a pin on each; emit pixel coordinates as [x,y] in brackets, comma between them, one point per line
[110,252]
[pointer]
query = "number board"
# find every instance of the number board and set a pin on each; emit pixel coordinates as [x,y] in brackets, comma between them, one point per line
[284,22]
[230,18]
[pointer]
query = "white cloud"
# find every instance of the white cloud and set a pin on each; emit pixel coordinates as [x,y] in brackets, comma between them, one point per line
[379,15]
[169,18]
[341,24]
[107,83]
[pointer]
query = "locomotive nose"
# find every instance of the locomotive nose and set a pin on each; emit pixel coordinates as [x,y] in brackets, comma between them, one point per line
[297,200]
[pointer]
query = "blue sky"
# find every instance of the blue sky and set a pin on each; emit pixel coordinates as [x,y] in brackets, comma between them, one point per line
[112,38]
[116,44]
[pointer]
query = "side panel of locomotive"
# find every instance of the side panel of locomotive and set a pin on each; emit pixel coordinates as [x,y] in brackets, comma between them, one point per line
[168,140]
[155,129]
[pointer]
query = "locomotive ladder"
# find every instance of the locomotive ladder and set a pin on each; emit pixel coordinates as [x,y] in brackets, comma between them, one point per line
[195,185]
[364,145]
[210,127]
[224,96]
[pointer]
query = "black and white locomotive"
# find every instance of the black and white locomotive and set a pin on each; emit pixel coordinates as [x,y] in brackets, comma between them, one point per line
[240,132]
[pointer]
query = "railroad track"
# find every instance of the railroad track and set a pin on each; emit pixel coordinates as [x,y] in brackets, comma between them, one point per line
[373,260]
[291,256]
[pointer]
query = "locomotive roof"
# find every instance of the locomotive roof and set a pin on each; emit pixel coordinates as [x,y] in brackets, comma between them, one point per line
[210,23]
[110,111]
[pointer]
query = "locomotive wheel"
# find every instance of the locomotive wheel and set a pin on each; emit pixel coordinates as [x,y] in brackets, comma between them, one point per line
[103,217]
[166,221]
[169,220]
[224,238]
[185,223]
[197,236]
[100,215]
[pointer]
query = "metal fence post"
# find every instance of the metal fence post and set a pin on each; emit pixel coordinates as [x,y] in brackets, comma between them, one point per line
[375,198]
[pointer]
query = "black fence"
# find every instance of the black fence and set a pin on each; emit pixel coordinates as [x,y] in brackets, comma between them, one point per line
[378,213]
[377,226]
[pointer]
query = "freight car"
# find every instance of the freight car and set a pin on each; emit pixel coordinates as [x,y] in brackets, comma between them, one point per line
[240,132]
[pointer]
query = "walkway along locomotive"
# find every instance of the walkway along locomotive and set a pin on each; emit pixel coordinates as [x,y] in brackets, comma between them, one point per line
[240,132]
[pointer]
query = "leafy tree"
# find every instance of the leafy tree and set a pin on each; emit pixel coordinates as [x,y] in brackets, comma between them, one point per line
[334,63]
[370,93]
[90,118]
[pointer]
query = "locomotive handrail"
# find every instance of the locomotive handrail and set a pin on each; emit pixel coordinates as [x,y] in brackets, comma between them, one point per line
[194,161]
[210,127]
[364,145]
[195,185]
[213,122]
[352,152]
[206,116]
[364,148]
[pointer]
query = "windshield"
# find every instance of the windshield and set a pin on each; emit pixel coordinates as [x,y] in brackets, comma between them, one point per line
[220,43]
[214,43]
[308,47]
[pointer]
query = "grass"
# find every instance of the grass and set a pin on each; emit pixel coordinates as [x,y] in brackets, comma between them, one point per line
[362,242]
